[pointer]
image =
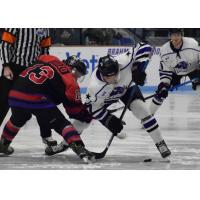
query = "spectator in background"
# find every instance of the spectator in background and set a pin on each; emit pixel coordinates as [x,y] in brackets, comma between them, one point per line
[65,36]
[93,36]
[107,36]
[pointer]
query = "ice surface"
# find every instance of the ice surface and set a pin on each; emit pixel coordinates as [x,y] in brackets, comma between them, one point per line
[179,120]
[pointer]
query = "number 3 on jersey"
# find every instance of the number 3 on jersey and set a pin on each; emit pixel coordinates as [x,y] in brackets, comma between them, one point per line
[40,75]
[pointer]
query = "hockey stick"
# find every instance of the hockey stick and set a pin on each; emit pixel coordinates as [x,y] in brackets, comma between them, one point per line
[182,84]
[116,109]
[148,97]
[103,153]
[175,87]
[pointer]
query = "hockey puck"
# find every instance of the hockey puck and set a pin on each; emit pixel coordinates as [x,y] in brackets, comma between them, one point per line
[148,160]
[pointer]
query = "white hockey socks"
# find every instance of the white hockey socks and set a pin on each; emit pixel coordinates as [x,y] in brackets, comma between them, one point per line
[148,121]
[151,126]
[155,105]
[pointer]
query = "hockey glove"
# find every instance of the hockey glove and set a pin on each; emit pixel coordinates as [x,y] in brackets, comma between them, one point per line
[162,90]
[112,123]
[81,115]
[139,77]
[195,83]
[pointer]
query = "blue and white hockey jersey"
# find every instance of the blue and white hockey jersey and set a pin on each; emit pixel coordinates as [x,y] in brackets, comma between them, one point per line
[100,94]
[181,62]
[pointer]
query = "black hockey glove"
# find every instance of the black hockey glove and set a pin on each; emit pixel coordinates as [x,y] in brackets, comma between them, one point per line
[139,77]
[112,123]
[83,115]
[162,90]
[195,83]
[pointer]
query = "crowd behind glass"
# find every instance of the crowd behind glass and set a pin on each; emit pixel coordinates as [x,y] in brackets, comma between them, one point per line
[113,36]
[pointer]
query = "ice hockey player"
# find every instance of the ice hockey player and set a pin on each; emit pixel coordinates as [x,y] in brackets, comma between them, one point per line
[109,83]
[38,91]
[51,144]
[179,57]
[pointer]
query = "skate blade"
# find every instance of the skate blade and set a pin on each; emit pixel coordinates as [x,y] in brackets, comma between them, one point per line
[167,159]
[162,160]
[49,151]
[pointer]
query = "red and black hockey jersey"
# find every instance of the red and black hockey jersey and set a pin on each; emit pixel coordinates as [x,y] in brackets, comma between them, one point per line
[46,84]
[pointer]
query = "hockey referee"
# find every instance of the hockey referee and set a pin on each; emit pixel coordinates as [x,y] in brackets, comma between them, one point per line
[20,48]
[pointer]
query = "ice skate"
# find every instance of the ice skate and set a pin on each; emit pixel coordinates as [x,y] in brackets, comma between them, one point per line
[5,148]
[84,154]
[163,149]
[50,144]
[56,149]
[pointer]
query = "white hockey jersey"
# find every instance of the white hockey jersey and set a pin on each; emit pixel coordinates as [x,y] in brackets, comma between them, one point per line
[181,62]
[100,94]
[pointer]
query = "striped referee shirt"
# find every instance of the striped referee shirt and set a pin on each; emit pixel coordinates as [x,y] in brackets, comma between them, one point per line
[23,45]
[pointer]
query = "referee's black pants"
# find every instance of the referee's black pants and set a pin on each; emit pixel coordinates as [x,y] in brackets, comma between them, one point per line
[5,87]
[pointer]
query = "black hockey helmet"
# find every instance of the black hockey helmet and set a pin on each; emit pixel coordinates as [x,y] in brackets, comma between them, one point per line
[176,30]
[76,63]
[108,66]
